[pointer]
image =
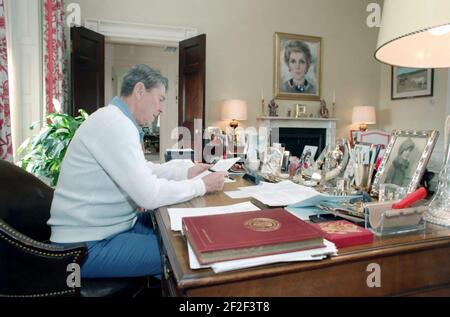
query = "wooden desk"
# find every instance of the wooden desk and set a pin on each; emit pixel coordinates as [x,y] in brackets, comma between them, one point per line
[411,265]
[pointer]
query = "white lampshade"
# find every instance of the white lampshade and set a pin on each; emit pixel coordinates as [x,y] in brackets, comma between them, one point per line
[234,109]
[364,114]
[415,33]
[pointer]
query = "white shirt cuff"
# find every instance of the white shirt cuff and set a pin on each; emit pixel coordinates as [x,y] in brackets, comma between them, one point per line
[200,188]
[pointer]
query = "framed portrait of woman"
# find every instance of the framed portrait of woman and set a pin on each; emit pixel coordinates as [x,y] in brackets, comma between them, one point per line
[405,159]
[297,66]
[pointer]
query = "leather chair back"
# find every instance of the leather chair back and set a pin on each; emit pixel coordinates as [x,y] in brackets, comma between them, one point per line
[25,201]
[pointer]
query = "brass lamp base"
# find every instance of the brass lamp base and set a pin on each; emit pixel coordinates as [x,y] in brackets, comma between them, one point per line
[234,124]
[363,127]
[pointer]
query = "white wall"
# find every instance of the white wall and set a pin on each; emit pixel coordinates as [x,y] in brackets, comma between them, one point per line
[119,58]
[240,39]
[24,67]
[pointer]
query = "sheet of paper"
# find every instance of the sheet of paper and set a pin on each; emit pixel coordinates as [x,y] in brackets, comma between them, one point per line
[220,166]
[322,199]
[280,194]
[177,214]
[307,255]
[304,212]
[227,179]
[236,194]
[224,165]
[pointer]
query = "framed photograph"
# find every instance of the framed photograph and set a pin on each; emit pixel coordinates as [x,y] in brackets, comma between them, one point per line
[308,155]
[411,82]
[354,137]
[375,137]
[362,151]
[405,159]
[297,66]
[300,111]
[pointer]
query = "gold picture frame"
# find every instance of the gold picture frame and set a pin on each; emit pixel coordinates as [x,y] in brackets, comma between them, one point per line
[297,76]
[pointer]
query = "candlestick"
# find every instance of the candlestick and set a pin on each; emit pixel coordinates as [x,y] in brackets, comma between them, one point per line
[334,102]
[262,102]
[262,107]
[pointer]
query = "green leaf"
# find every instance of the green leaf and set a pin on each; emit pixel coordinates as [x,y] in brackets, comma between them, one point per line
[43,153]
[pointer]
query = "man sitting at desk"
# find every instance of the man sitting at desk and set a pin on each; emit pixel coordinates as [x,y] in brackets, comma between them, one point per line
[105,178]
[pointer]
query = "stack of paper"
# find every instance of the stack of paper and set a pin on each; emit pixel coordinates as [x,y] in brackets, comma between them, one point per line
[176,214]
[307,255]
[276,194]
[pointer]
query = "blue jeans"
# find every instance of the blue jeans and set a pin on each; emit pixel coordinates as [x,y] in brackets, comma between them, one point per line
[127,254]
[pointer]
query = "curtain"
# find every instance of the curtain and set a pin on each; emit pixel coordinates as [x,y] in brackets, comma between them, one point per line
[55,59]
[6,148]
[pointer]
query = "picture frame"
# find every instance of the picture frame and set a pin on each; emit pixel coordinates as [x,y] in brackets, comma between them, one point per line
[297,66]
[413,147]
[411,82]
[309,159]
[300,111]
[353,137]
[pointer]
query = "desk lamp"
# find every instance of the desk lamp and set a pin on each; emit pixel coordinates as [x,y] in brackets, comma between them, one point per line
[234,110]
[363,115]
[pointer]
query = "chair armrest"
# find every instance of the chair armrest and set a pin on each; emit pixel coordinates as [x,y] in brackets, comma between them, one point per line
[34,269]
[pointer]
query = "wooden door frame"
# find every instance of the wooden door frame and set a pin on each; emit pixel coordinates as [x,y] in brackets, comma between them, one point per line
[140,34]
[118,32]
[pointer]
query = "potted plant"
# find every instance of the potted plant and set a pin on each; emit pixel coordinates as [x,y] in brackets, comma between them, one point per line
[42,154]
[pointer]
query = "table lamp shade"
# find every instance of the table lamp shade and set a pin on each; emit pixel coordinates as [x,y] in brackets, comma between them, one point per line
[415,34]
[234,109]
[364,115]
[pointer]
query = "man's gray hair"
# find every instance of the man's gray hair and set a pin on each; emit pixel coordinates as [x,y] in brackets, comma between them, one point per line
[144,74]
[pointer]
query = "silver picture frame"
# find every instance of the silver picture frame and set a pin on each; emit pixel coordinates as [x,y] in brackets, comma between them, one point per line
[424,142]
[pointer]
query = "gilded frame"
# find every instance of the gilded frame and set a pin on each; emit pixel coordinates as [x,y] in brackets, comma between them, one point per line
[282,78]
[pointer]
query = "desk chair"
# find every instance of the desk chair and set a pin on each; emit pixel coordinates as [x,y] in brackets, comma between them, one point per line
[29,265]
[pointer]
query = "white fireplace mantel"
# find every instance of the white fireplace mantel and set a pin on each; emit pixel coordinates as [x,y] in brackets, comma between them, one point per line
[288,122]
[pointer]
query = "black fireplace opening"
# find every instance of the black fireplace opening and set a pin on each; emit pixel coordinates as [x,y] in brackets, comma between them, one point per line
[295,139]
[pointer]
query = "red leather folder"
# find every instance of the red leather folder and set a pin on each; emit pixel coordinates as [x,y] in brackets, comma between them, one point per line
[225,237]
[344,234]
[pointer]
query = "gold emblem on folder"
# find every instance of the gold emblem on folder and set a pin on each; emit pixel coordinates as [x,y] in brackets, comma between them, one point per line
[262,224]
[339,227]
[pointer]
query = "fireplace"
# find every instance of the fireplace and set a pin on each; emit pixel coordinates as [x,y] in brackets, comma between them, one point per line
[295,133]
[295,139]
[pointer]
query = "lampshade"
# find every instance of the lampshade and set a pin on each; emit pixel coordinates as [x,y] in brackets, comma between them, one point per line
[364,114]
[234,109]
[415,33]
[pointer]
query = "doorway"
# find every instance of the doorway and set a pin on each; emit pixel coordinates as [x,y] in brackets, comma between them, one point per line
[119,57]
[133,38]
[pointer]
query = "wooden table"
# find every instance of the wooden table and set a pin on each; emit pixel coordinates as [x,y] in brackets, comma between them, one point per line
[410,265]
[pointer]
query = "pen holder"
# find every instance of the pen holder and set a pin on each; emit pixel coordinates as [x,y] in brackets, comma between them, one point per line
[363,176]
[382,220]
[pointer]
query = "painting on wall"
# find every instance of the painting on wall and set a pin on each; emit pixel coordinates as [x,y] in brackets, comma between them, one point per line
[411,82]
[297,66]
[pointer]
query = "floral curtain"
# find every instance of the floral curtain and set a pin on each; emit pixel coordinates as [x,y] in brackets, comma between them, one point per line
[6,148]
[55,59]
